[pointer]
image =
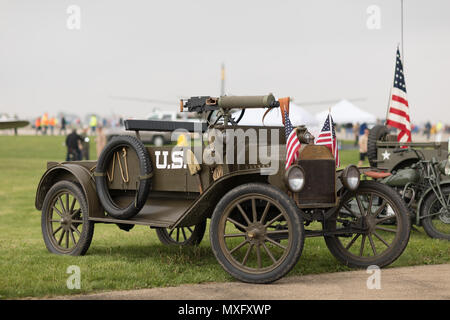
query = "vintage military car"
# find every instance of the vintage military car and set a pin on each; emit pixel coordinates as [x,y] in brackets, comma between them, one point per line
[260,213]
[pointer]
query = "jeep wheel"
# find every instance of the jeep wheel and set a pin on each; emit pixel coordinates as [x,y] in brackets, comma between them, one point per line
[361,236]
[256,233]
[65,222]
[436,221]
[182,236]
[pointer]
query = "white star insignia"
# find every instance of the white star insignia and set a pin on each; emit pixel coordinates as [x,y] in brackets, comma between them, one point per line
[386,155]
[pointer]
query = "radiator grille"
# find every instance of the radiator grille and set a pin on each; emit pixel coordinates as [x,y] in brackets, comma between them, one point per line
[320,182]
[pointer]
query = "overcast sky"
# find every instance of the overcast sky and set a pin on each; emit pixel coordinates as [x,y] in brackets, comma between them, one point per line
[310,50]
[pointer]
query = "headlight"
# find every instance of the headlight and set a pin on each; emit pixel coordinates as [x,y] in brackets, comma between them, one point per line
[295,178]
[444,167]
[350,177]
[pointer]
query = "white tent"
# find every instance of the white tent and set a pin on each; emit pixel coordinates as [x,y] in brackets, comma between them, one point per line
[297,115]
[346,112]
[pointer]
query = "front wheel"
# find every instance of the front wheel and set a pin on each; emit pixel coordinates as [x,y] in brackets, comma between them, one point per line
[436,218]
[65,221]
[256,233]
[371,227]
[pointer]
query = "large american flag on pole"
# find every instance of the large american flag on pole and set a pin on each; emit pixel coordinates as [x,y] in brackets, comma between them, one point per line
[292,142]
[398,114]
[327,137]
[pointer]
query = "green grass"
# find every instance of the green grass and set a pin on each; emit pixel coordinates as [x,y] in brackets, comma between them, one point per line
[118,259]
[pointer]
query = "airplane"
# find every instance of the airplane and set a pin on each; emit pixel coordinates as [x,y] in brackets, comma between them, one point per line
[7,122]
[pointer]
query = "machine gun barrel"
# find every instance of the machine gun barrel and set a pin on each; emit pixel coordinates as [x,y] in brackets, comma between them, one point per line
[238,102]
[206,103]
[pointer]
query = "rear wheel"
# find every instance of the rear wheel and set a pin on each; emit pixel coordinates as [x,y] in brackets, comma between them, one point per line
[256,233]
[371,227]
[65,221]
[436,221]
[182,236]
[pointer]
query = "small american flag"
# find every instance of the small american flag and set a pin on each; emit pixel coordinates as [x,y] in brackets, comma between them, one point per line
[398,115]
[327,137]
[292,142]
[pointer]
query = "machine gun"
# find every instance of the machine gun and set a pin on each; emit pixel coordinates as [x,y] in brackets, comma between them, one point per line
[224,106]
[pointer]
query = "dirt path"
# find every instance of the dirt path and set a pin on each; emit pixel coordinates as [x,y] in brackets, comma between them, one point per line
[421,282]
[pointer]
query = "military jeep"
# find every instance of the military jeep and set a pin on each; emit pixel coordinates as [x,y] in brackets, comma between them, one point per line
[382,144]
[260,212]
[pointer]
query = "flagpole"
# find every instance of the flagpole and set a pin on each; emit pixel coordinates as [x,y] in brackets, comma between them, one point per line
[401,28]
[390,92]
[331,126]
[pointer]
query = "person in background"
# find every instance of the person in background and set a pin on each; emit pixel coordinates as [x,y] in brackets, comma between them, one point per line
[439,129]
[85,144]
[363,139]
[100,141]
[52,124]
[74,146]
[44,123]
[356,132]
[93,123]
[63,126]
[37,125]
[427,130]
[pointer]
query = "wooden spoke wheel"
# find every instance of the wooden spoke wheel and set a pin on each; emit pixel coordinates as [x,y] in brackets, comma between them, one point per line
[371,227]
[257,233]
[182,236]
[65,225]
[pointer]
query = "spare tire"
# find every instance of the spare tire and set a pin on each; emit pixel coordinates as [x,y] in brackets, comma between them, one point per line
[377,133]
[145,171]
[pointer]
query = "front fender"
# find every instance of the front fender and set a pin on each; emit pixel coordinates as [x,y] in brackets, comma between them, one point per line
[203,207]
[424,197]
[75,173]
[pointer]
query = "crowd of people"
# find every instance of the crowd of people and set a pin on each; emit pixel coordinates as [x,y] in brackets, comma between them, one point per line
[429,131]
[51,125]
[46,125]
[77,140]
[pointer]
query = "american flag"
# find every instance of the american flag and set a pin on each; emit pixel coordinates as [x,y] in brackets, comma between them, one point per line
[398,115]
[292,142]
[327,137]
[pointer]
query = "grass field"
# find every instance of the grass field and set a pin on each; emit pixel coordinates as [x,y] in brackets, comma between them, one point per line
[118,259]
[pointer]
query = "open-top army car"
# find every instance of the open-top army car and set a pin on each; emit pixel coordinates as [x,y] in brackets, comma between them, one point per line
[235,176]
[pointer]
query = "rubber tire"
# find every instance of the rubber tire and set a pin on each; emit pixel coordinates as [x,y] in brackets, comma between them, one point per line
[144,186]
[194,240]
[377,133]
[88,226]
[427,222]
[340,253]
[297,229]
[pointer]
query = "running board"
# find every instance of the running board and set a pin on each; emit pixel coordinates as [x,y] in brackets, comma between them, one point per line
[160,212]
